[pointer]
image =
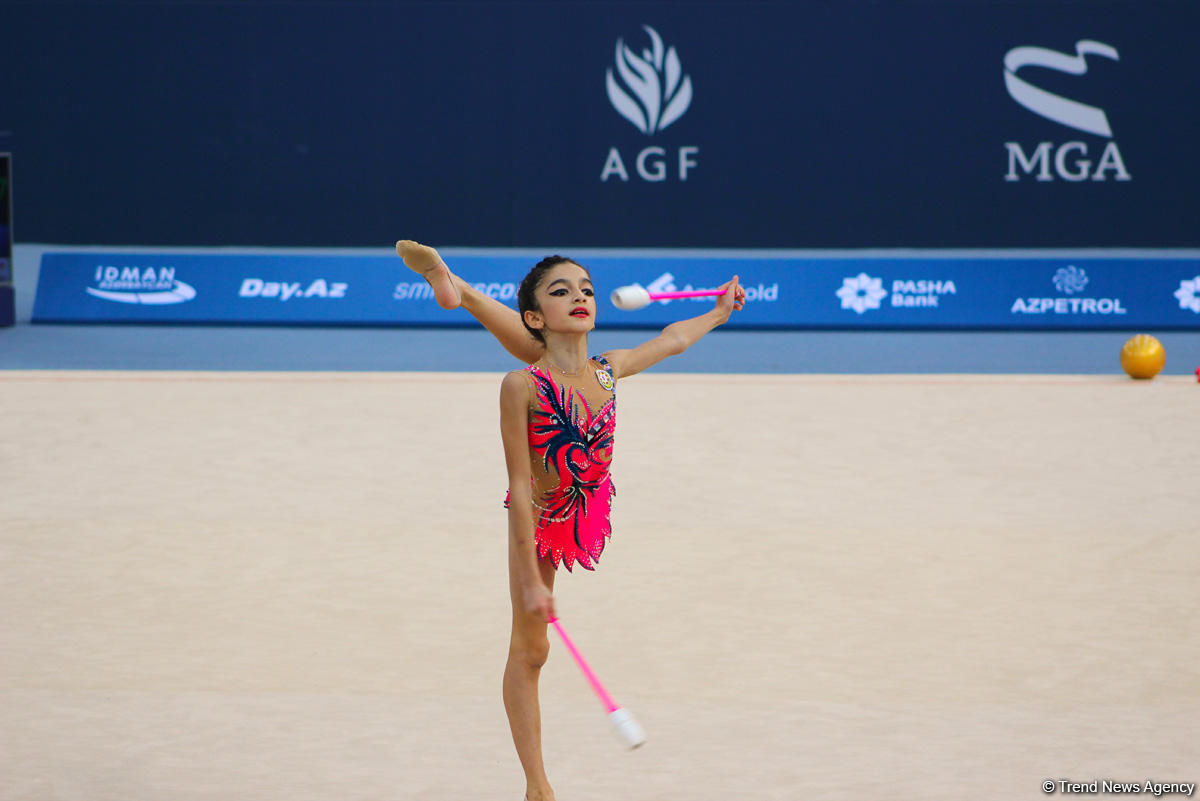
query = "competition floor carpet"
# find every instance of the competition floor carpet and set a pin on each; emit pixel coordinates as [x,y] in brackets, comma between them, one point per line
[253,585]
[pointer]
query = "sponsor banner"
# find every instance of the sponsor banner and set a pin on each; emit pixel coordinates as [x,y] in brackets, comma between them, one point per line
[782,290]
[249,289]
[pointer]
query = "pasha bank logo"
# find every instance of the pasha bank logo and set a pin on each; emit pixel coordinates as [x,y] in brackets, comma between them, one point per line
[862,293]
[1070,159]
[652,92]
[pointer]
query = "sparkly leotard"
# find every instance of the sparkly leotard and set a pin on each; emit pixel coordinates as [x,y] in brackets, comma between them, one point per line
[572,420]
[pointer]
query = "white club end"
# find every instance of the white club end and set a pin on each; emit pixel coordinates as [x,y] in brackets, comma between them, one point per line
[630,298]
[628,730]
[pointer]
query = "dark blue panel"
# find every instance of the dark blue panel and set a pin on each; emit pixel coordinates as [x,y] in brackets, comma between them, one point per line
[810,124]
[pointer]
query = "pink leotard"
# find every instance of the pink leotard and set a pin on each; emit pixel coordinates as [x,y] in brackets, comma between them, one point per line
[572,420]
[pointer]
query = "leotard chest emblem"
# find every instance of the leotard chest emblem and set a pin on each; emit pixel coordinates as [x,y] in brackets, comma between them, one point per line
[605,379]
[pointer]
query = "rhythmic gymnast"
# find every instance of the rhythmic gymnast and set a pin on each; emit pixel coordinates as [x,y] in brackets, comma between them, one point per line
[557,420]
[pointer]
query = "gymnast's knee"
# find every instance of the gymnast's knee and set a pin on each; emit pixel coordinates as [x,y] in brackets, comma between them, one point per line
[531,652]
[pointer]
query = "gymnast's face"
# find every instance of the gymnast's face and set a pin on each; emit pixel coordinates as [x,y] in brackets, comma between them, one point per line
[566,300]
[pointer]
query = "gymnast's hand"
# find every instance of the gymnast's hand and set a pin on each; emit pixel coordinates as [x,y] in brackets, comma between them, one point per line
[734,299]
[540,602]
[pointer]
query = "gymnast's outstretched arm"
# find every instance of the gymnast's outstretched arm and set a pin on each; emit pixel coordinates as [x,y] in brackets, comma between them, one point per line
[450,291]
[679,335]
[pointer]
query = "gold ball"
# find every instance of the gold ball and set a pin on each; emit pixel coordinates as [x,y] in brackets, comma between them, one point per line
[1143,356]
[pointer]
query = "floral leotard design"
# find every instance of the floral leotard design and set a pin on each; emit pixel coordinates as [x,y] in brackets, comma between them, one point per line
[572,422]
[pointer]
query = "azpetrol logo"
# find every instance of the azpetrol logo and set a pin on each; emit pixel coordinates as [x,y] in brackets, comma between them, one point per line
[151,286]
[652,93]
[862,292]
[1071,113]
[1188,294]
[666,283]
[1068,280]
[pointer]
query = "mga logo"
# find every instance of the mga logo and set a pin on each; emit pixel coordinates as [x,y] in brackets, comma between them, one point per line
[651,91]
[1070,158]
[154,286]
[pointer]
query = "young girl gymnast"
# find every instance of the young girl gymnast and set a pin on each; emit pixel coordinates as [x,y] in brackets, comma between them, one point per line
[557,419]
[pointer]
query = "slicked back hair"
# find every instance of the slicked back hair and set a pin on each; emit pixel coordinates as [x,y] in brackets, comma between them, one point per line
[526,301]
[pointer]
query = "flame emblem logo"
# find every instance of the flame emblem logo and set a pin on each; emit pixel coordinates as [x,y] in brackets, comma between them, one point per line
[652,92]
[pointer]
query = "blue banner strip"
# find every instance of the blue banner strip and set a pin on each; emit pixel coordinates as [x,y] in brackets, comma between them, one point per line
[913,291]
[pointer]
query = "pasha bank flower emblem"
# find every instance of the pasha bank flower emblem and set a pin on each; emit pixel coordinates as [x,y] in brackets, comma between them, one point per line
[861,292]
[652,91]
[1189,294]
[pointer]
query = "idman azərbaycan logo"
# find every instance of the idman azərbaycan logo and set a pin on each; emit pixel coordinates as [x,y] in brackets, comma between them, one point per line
[1070,159]
[1188,294]
[151,286]
[1068,280]
[768,293]
[862,293]
[651,91]
[284,291]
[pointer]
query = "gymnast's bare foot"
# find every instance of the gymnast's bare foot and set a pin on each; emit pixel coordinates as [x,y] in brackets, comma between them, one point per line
[426,261]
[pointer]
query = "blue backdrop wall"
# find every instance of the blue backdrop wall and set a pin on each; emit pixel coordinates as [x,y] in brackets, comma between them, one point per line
[570,124]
